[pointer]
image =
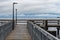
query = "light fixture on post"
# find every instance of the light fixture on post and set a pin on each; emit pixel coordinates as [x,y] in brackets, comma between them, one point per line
[13,15]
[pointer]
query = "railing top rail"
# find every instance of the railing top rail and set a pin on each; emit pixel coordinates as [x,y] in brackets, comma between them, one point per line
[4,23]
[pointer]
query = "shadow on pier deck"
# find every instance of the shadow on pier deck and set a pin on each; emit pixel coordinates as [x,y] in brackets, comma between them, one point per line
[19,33]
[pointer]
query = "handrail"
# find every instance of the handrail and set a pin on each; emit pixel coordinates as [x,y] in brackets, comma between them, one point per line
[38,31]
[5,29]
[45,32]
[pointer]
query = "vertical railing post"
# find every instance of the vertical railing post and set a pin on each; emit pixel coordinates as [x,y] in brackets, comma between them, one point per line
[41,36]
[58,22]
[58,28]
[58,32]
[45,23]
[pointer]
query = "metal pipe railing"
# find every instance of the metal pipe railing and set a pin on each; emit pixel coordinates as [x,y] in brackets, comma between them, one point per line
[5,29]
[37,33]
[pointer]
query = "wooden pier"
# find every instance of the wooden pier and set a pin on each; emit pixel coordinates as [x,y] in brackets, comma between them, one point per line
[37,27]
[19,33]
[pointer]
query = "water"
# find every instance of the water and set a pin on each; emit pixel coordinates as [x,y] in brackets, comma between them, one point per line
[33,15]
[24,17]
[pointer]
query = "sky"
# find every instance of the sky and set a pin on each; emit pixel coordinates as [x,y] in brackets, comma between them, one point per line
[45,7]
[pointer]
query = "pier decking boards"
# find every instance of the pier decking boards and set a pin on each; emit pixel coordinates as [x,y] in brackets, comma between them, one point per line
[19,33]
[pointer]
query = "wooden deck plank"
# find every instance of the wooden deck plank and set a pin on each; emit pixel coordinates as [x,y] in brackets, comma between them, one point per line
[20,33]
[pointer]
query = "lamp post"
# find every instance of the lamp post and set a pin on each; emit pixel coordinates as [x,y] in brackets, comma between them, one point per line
[13,15]
[16,16]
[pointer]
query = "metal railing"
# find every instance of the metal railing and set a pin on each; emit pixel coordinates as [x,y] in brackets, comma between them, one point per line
[37,33]
[5,29]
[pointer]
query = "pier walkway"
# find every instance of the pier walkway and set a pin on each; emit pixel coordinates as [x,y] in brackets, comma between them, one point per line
[19,33]
[43,29]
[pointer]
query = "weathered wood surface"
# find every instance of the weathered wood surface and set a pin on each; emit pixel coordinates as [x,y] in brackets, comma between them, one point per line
[20,33]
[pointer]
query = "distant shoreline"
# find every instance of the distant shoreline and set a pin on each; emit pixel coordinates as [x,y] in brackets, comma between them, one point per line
[31,18]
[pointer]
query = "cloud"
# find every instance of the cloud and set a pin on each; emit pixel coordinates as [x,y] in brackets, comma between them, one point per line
[40,6]
[30,6]
[3,0]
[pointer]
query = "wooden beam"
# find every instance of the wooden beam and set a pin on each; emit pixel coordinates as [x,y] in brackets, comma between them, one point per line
[53,25]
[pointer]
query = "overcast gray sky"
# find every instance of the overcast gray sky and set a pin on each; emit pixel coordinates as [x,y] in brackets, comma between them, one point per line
[30,6]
